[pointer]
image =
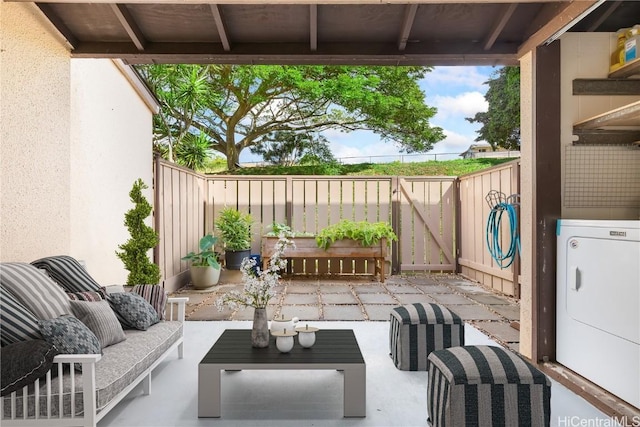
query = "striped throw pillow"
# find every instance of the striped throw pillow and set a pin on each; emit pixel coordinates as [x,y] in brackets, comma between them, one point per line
[154,295]
[86,296]
[34,290]
[68,273]
[18,323]
[100,318]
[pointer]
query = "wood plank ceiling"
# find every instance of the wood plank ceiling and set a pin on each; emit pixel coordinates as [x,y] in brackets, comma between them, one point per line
[427,32]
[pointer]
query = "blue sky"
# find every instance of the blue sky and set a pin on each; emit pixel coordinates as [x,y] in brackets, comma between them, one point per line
[457,92]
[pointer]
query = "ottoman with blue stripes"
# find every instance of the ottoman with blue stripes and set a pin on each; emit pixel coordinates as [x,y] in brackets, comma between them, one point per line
[415,330]
[486,386]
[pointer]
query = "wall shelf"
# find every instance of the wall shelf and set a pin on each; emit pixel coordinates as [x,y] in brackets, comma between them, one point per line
[625,117]
[627,70]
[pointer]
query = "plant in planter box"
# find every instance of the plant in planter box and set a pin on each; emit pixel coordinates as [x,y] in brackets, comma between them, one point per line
[205,269]
[235,229]
[134,251]
[364,232]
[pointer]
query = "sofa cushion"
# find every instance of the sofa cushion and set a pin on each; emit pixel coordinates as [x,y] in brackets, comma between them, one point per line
[18,323]
[100,318]
[133,311]
[119,366]
[24,362]
[154,295]
[34,290]
[70,335]
[86,296]
[68,273]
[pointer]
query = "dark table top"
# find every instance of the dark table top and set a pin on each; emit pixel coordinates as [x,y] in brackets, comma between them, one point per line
[332,346]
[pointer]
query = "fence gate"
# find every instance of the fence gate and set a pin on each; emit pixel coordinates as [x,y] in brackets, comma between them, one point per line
[425,223]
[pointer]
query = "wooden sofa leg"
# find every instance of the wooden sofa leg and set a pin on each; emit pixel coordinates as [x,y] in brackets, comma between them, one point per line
[181,350]
[146,385]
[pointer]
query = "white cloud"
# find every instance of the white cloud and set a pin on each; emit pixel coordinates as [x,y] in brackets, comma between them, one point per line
[470,77]
[466,104]
[453,143]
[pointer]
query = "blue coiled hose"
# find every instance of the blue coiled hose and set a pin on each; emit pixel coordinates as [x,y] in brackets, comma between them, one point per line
[494,222]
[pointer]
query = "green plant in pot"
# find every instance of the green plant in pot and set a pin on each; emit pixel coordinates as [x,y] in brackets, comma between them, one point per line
[134,253]
[205,269]
[235,229]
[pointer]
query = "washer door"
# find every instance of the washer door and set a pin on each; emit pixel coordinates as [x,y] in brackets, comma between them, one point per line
[603,285]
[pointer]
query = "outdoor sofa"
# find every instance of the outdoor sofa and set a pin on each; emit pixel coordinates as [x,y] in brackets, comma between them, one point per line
[43,386]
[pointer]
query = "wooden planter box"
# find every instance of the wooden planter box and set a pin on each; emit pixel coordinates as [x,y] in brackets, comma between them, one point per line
[306,247]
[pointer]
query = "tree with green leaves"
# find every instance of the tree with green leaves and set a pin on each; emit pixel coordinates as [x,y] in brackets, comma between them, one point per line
[134,252]
[235,107]
[285,148]
[501,122]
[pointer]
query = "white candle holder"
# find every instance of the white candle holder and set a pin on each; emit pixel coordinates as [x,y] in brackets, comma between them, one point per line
[284,340]
[306,335]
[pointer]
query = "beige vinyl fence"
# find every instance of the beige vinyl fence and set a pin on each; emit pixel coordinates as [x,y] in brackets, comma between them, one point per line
[422,211]
[474,258]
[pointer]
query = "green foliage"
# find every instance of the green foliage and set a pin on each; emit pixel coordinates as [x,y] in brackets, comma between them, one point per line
[235,228]
[367,233]
[206,256]
[134,251]
[214,164]
[287,148]
[501,122]
[236,106]
[278,228]
[432,168]
[192,151]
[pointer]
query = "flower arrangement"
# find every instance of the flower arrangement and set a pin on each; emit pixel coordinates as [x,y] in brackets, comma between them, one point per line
[258,284]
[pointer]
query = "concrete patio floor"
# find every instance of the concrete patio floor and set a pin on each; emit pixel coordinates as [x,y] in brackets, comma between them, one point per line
[362,298]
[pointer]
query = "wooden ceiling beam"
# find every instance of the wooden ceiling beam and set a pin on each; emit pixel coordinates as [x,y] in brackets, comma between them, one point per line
[499,24]
[279,2]
[313,27]
[610,9]
[129,24]
[567,14]
[407,23]
[222,28]
[299,53]
[59,24]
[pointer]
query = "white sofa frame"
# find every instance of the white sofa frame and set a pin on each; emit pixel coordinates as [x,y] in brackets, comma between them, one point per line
[90,415]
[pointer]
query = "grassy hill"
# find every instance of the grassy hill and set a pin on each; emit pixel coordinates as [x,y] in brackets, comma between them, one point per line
[430,168]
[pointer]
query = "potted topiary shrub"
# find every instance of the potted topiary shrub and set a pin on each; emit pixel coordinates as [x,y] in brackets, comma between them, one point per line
[205,269]
[235,229]
[143,238]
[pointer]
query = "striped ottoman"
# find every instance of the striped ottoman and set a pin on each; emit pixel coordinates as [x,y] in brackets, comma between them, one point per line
[415,330]
[486,386]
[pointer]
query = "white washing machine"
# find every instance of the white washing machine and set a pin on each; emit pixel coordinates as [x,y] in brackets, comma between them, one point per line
[598,303]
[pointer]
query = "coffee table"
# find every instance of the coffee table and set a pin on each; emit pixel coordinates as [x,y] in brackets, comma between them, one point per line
[334,349]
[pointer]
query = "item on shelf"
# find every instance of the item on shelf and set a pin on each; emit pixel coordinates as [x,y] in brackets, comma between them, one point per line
[617,57]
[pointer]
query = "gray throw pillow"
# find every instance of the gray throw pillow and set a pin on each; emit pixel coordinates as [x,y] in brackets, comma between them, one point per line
[70,336]
[133,311]
[24,362]
[100,318]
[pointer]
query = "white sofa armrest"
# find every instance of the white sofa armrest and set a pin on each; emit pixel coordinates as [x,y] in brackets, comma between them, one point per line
[180,305]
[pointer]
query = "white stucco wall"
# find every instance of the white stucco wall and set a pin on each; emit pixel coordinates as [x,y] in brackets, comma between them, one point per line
[34,135]
[74,136]
[111,147]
